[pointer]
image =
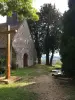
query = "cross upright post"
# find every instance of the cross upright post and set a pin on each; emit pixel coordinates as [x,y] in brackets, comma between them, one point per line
[8,54]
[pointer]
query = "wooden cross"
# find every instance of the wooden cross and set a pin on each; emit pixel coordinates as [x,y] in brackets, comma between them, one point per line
[8,32]
[8,54]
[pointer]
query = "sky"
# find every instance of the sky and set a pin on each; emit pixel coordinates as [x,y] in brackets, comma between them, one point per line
[60,4]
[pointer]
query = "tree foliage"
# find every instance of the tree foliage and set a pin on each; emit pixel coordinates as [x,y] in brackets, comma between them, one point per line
[37,35]
[67,49]
[23,8]
[71,3]
[50,18]
[46,31]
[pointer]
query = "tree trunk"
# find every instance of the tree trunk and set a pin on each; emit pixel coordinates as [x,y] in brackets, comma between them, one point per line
[47,57]
[51,59]
[39,60]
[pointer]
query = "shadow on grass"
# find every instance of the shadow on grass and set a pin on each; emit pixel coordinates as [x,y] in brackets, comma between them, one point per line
[18,90]
[10,92]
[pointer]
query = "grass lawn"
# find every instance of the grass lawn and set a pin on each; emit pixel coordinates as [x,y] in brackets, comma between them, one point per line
[17,90]
[30,72]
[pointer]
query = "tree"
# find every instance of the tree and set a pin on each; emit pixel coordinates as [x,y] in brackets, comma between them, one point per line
[45,32]
[37,36]
[23,8]
[67,48]
[50,19]
[71,3]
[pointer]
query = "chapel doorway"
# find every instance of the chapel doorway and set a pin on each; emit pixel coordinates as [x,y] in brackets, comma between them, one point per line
[25,60]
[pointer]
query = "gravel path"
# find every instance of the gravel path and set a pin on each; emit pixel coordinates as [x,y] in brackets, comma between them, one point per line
[48,88]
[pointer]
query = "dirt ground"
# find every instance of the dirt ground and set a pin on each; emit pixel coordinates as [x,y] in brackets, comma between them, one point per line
[48,88]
